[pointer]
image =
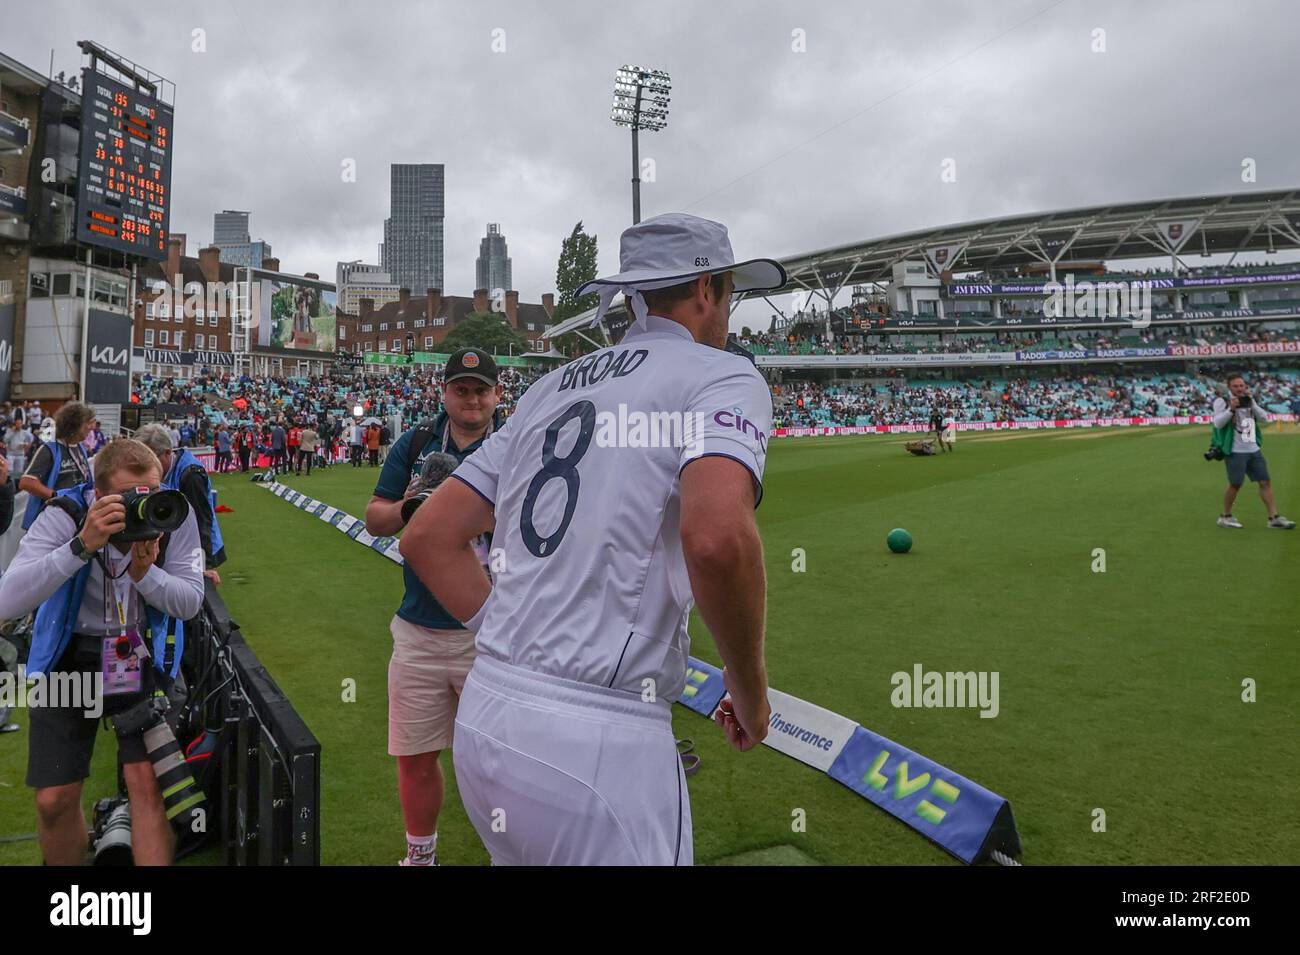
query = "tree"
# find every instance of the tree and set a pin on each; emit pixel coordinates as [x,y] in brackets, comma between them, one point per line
[577,265]
[488,332]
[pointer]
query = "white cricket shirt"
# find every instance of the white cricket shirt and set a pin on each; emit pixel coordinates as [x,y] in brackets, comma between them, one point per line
[590,579]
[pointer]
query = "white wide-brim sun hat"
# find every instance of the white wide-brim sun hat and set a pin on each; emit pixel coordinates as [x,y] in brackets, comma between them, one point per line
[672,249]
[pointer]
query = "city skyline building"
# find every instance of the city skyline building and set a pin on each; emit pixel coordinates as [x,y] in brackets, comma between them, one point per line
[231,235]
[412,251]
[492,269]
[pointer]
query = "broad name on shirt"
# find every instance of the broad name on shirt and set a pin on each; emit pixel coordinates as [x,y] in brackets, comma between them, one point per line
[596,368]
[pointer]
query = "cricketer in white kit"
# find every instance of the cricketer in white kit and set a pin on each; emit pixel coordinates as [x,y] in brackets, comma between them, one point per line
[621,493]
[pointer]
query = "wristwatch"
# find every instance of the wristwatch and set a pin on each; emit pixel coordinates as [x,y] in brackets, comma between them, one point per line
[79,551]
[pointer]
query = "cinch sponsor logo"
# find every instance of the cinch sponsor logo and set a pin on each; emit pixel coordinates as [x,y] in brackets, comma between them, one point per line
[735,418]
[75,908]
[905,785]
[823,743]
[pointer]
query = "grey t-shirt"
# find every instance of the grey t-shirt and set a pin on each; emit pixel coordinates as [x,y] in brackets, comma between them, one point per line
[17,441]
[1245,424]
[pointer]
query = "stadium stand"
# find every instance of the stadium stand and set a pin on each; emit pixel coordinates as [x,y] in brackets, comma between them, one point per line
[808,404]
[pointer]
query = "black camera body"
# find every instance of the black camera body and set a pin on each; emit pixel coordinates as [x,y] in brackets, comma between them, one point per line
[1214,454]
[1244,401]
[150,514]
[435,469]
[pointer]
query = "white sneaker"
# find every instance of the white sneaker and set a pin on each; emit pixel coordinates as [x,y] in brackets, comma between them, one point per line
[1281,522]
[1227,520]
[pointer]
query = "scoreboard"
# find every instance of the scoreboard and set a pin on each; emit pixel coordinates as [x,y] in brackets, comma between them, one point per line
[124,176]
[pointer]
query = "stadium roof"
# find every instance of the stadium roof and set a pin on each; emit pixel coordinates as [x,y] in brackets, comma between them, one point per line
[1224,224]
[1240,222]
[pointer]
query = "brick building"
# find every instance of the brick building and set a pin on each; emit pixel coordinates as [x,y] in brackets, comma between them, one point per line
[184,314]
[428,319]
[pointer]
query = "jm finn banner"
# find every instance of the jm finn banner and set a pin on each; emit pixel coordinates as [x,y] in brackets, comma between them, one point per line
[960,816]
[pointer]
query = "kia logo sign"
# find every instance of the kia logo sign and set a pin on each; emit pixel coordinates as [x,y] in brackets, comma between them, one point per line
[106,355]
[6,355]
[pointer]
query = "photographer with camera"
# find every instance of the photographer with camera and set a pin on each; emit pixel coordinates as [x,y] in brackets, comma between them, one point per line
[432,652]
[101,565]
[1237,439]
[61,463]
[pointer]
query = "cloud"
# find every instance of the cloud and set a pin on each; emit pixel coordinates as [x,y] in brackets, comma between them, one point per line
[793,150]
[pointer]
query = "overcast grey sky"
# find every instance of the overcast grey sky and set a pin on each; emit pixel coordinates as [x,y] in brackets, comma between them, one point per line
[792,150]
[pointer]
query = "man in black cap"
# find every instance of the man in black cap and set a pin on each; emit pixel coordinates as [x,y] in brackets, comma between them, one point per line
[432,652]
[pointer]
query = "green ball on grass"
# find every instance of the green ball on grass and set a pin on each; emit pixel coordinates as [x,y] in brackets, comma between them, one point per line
[899,541]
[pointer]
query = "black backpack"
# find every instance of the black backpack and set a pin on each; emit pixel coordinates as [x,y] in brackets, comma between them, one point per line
[420,440]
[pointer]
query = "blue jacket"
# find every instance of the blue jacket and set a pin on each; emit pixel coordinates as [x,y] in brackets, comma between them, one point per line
[33,502]
[184,460]
[55,619]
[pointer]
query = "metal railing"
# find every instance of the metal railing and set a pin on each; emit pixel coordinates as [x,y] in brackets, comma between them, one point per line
[266,801]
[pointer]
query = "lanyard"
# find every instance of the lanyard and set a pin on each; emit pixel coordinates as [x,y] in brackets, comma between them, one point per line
[78,458]
[117,592]
[446,435]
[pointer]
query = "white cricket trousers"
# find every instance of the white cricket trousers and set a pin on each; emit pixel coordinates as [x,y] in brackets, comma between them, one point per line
[555,772]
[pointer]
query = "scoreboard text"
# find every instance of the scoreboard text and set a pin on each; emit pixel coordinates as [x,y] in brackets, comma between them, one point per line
[124,178]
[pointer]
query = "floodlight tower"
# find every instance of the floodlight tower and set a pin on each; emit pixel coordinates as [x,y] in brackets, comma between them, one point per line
[640,102]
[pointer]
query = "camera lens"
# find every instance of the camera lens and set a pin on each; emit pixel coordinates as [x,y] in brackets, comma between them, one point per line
[164,511]
[413,504]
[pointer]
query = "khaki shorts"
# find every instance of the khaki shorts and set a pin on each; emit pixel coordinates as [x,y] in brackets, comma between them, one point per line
[425,677]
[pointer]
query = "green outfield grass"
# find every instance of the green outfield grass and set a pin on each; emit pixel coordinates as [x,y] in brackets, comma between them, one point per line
[1118,690]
